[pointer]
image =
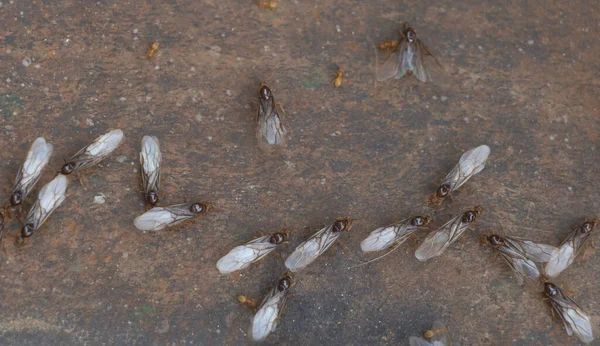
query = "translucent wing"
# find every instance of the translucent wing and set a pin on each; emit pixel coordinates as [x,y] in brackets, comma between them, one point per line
[242,256]
[561,260]
[521,255]
[105,144]
[159,218]
[29,174]
[418,341]
[437,242]
[575,320]
[536,251]
[427,66]
[392,66]
[579,323]
[270,131]
[384,237]
[308,251]
[265,320]
[470,163]
[418,68]
[522,266]
[150,159]
[564,256]
[407,58]
[97,151]
[51,196]
[380,239]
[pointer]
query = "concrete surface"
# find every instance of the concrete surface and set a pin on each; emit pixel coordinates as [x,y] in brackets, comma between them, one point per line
[525,81]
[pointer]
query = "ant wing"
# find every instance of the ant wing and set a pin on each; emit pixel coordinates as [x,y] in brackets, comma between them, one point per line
[395,66]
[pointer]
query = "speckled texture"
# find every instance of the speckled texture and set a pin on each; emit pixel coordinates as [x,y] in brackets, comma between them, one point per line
[525,82]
